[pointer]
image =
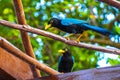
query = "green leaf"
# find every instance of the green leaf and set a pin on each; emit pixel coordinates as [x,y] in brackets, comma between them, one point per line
[117,28]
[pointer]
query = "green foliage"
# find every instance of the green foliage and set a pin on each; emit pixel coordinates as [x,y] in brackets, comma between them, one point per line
[38,12]
[114,61]
[117,29]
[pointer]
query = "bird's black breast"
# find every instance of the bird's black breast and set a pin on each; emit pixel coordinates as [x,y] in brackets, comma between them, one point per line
[65,64]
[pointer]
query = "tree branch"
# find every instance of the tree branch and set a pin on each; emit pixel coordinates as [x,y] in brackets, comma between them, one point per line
[57,37]
[101,41]
[16,52]
[114,3]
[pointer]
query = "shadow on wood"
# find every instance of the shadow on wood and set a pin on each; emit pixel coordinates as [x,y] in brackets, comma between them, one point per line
[107,73]
[5,76]
[13,66]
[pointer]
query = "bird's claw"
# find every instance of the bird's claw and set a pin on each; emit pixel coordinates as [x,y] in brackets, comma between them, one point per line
[78,40]
[67,38]
[62,72]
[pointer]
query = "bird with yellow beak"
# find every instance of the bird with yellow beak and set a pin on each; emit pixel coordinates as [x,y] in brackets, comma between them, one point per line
[76,26]
[66,61]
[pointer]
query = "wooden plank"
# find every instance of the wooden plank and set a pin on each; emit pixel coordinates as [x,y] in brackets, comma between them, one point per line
[107,73]
[17,68]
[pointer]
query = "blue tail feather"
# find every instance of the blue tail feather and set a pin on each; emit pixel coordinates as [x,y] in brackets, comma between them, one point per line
[97,29]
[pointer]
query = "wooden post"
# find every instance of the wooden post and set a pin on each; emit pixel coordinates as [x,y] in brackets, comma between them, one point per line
[13,66]
[25,38]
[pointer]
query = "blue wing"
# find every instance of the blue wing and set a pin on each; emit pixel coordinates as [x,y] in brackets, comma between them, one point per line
[73,59]
[59,60]
[70,21]
[83,24]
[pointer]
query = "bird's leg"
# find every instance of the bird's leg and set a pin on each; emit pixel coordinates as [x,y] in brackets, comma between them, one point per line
[83,34]
[78,39]
[62,72]
[67,37]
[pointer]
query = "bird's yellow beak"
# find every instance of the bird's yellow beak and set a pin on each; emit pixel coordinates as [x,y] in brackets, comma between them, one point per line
[61,51]
[47,26]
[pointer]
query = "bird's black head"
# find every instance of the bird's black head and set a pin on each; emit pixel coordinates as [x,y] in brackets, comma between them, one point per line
[65,52]
[54,22]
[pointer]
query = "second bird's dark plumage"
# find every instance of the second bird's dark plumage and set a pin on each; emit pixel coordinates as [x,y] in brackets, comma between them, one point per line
[76,26]
[65,62]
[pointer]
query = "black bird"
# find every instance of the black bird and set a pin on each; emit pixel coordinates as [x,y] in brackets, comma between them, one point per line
[75,26]
[66,61]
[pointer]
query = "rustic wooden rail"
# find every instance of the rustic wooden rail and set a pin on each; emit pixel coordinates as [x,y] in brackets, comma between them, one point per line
[106,73]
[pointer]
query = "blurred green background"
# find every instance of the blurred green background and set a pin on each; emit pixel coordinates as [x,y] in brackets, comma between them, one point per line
[38,12]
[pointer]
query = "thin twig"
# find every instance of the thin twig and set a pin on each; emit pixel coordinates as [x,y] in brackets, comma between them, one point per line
[111,24]
[57,37]
[114,3]
[101,41]
[16,52]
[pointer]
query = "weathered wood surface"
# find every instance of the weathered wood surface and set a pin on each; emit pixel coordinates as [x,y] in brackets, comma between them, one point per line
[19,54]
[12,65]
[107,73]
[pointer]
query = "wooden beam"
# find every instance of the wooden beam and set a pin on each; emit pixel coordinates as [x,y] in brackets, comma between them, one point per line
[106,73]
[14,67]
[33,62]
[25,38]
[59,38]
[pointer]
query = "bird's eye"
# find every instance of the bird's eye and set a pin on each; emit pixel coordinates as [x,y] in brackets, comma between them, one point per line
[51,21]
[65,49]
